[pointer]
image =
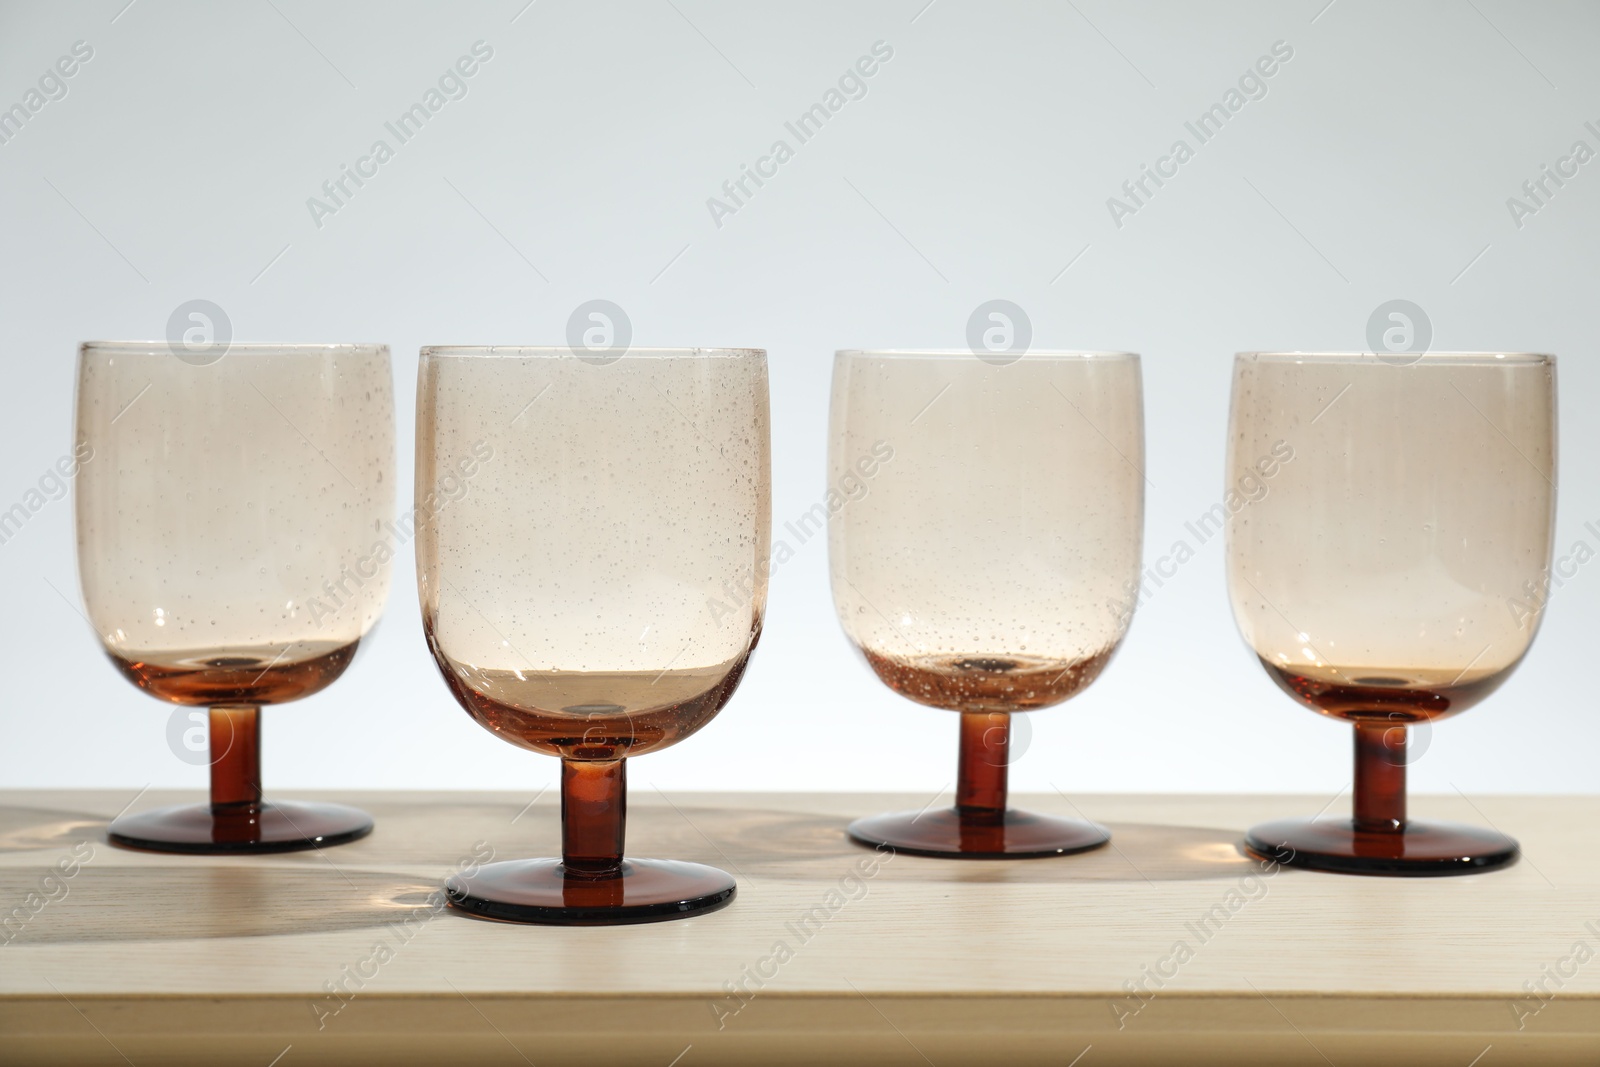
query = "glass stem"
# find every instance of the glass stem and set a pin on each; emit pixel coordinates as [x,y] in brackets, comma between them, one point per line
[235,759]
[981,772]
[594,810]
[1380,786]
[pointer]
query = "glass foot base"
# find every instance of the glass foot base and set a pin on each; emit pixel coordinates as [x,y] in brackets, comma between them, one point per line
[1016,835]
[1422,848]
[276,826]
[543,891]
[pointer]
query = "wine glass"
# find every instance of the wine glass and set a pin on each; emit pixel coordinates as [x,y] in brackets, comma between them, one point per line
[595,589]
[233,552]
[985,557]
[1407,514]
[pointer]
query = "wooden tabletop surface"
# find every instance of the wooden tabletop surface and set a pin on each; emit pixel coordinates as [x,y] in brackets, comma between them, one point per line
[343,956]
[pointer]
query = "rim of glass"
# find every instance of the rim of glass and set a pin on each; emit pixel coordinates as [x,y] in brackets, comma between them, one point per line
[1390,358]
[565,351]
[967,353]
[243,347]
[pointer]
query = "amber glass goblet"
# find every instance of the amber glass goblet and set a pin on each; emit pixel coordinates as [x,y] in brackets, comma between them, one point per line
[1385,576]
[592,587]
[232,553]
[985,557]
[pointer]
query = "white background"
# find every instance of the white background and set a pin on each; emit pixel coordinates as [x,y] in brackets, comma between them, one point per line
[978,166]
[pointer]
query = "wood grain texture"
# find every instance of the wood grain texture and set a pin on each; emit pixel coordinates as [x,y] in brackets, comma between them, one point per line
[343,956]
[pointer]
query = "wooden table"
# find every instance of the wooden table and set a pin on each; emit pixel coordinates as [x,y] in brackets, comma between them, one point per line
[341,957]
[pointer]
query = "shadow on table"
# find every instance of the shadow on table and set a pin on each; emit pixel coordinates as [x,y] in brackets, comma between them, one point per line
[28,829]
[201,897]
[196,900]
[804,847]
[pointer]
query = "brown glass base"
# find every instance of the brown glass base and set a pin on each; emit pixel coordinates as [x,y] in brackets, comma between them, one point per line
[276,826]
[1011,835]
[1418,849]
[545,891]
